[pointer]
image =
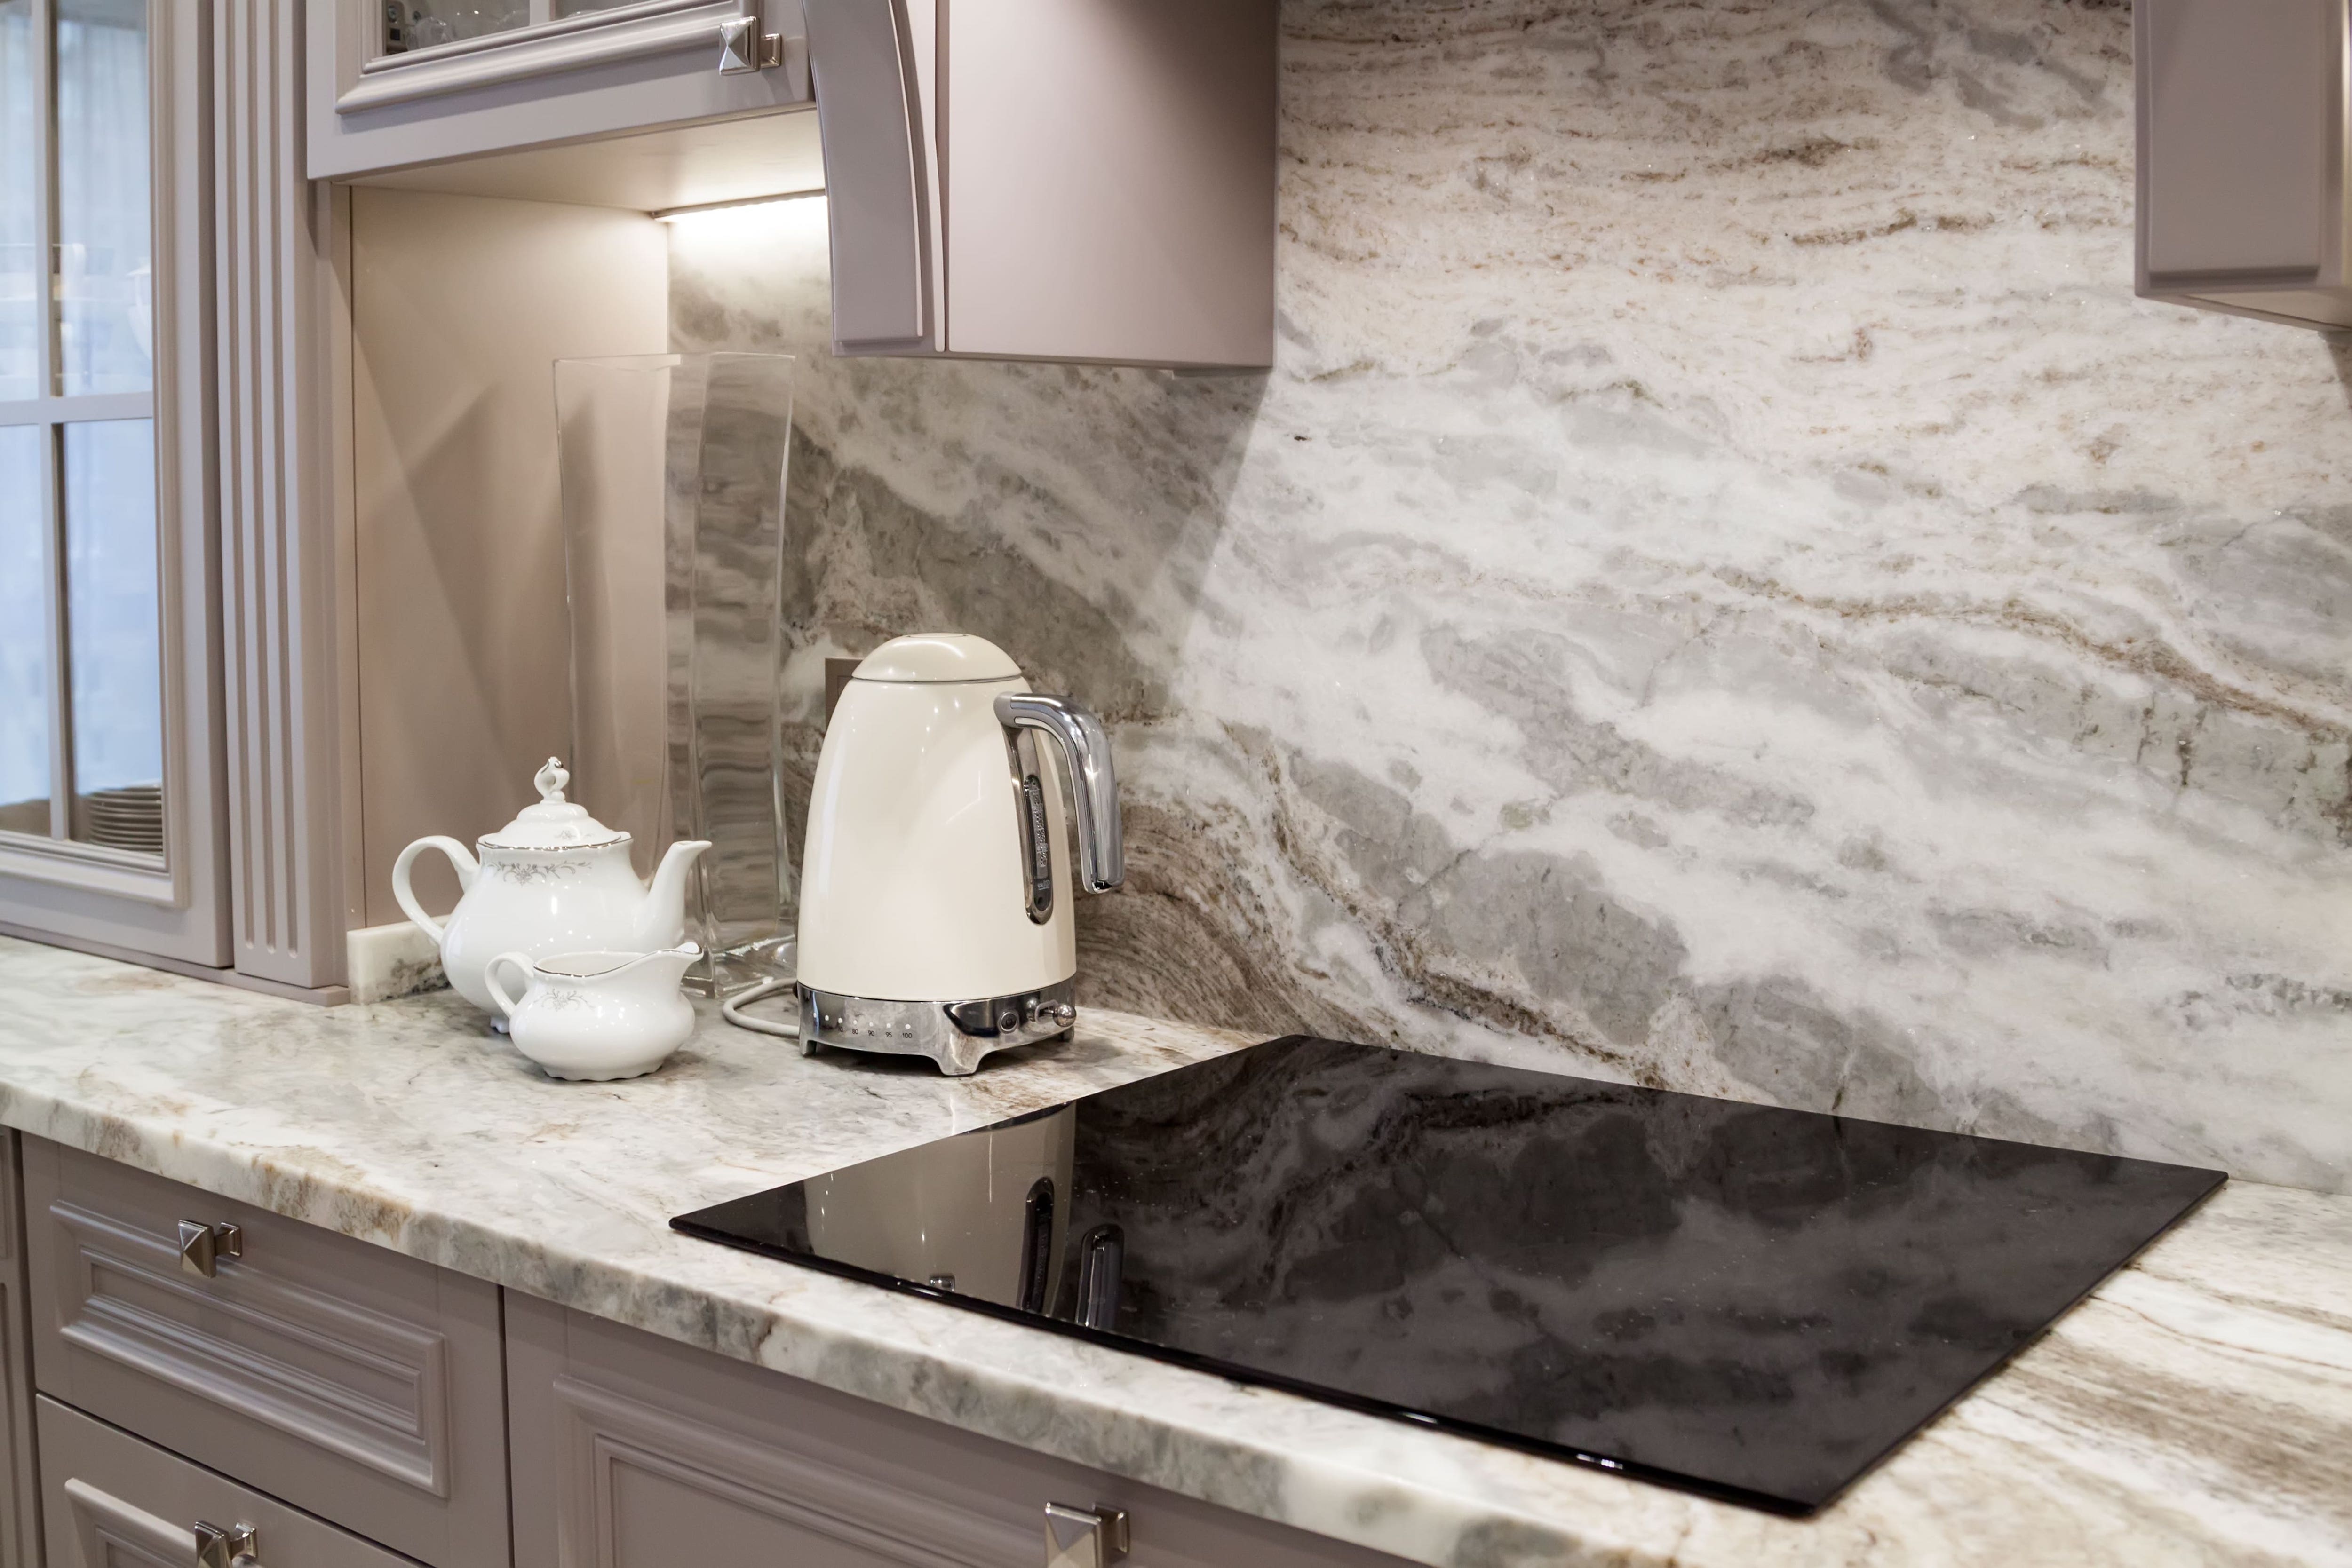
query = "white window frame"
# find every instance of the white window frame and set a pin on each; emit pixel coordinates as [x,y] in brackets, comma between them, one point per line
[176,908]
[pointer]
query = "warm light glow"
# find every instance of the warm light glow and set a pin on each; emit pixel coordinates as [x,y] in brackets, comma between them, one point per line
[680,214]
[770,239]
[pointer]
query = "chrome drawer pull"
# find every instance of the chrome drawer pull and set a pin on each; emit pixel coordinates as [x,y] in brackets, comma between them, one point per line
[202,1247]
[232,1548]
[1085,1538]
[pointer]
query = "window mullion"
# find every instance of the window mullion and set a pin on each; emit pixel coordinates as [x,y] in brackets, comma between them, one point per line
[79,408]
[53,543]
[52,362]
[45,200]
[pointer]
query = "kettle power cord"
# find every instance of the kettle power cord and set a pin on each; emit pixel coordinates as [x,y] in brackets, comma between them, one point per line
[731,1009]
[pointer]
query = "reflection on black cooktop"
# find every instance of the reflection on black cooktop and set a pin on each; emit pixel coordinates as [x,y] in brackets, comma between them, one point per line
[1754,1303]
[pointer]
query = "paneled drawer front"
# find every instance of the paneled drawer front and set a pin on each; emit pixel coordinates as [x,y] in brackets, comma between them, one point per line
[351,1381]
[632,1452]
[116,1503]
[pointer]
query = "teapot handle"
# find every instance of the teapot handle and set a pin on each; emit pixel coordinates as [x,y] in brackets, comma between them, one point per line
[460,860]
[508,1004]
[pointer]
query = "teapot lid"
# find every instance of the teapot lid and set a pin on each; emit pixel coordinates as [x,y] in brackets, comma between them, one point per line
[555,823]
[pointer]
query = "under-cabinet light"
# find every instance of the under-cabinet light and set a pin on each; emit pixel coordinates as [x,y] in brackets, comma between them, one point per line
[672,215]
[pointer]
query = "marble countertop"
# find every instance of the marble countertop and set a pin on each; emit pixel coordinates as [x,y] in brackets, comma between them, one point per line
[2197,1409]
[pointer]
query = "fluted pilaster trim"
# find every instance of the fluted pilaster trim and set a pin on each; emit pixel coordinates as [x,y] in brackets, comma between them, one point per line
[276,296]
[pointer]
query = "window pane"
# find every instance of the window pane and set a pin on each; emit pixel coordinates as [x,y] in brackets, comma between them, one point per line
[113,653]
[106,312]
[24,636]
[20,247]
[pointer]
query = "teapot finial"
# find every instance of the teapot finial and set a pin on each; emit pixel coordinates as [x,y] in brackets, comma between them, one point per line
[551,780]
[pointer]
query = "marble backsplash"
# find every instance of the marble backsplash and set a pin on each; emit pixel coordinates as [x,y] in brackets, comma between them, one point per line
[1723,589]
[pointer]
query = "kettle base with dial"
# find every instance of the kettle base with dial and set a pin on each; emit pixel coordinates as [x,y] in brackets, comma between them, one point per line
[956,1035]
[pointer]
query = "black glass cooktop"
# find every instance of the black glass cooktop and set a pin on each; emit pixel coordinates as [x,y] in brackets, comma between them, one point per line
[1754,1303]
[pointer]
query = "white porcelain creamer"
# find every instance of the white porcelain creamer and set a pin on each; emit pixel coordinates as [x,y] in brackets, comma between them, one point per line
[595,1016]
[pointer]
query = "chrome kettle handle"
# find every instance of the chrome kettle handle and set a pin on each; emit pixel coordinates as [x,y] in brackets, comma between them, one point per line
[1094,782]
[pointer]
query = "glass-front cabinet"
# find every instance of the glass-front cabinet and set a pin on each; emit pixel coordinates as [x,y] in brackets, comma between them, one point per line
[399,84]
[108,826]
[415,24]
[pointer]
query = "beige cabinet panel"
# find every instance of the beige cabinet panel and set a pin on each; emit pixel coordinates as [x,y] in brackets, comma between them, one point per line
[116,1503]
[461,305]
[634,1452]
[344,1378]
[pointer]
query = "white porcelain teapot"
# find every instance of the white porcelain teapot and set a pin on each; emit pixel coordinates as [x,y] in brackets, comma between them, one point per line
[554,879]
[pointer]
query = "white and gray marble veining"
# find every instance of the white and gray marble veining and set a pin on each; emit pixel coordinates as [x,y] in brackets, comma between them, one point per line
[2198,1409]
[1724,587]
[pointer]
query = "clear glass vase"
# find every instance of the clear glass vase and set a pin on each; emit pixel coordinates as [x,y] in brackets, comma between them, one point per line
[673,469]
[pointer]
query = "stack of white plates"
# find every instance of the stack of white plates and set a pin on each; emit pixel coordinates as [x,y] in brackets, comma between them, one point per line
[130,818]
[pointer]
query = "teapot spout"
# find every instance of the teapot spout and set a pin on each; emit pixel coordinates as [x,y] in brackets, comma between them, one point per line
[661,918]
[668,967]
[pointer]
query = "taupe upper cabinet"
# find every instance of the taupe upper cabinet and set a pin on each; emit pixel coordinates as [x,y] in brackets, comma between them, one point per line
[495,97]
[1087,180]
[1068,179]
[2242,167]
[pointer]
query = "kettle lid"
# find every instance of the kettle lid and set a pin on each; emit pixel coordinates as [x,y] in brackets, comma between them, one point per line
[929,658]
[555,823]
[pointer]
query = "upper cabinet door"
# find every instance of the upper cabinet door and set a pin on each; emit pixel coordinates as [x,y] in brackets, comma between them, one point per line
[399,83]
[1070,180]
[110,827]
[2245,193]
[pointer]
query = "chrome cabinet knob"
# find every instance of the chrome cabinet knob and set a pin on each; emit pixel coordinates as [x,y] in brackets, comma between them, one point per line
[235,1547]
[743,48]
[1084,1538]
[202,1247]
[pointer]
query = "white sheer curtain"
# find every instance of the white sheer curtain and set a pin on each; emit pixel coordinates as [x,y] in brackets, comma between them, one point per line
[20,254]
[24,631]
[107,312]
[115,656]
[106,339]
[24,636]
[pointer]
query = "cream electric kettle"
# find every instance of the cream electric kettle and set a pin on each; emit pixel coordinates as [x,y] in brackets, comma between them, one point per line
[935,881]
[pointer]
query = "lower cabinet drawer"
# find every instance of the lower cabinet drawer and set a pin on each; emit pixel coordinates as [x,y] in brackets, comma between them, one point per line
[112,1501]
[634,1452]
[352,1381]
